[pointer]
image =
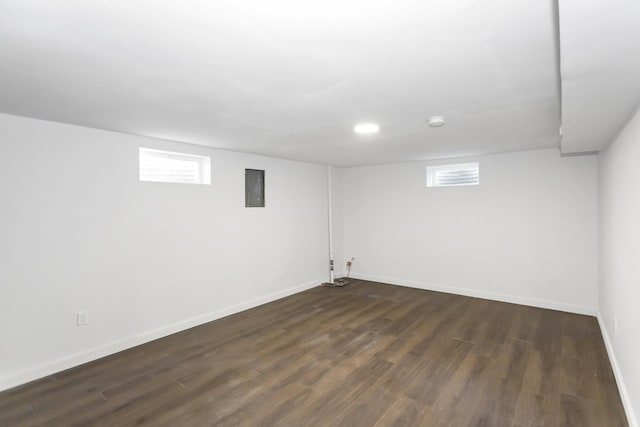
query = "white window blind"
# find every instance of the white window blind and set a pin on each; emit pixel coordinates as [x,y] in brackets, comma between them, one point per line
[451,175]
[168,166]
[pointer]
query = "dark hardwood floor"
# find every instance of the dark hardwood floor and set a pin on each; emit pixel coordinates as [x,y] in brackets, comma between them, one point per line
[368,354]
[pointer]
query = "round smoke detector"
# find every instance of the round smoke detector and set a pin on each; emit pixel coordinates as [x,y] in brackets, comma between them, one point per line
[436,121]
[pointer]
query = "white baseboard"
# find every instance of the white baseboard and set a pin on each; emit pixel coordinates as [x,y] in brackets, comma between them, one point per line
[129,342]
[515,299]
[622,388]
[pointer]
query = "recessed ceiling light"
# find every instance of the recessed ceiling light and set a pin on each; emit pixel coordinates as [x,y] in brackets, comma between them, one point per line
[436,121]
[366,128]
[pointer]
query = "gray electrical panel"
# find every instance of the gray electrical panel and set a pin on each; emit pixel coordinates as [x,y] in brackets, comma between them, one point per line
[254,188]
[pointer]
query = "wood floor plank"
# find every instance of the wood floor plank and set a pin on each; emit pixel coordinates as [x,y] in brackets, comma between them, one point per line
[402,412]
[368,354]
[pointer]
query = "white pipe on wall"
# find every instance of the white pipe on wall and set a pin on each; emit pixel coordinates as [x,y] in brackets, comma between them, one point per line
[330,207]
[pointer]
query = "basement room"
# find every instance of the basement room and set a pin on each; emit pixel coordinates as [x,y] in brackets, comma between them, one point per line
[320,213]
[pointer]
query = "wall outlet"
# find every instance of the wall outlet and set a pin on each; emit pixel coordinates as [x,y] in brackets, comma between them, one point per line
[553,280]
[83,318]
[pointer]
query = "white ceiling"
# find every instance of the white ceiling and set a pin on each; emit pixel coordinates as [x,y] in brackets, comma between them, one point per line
[291,78]
[600,67]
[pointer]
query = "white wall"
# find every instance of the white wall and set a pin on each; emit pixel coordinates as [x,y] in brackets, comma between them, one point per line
[527,233]
[80,232]
[620,261]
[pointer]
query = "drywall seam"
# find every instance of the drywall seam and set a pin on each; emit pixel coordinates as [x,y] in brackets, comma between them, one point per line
[514,299]
[127,343]
[622,388]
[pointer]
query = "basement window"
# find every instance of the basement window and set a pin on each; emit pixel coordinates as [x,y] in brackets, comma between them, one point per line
[169,166]
[453,175]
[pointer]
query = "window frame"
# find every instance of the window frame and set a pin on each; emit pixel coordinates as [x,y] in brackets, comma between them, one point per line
[432,172]
[203,174]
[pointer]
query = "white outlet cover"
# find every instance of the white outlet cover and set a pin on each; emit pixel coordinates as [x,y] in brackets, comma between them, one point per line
[83,318]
